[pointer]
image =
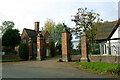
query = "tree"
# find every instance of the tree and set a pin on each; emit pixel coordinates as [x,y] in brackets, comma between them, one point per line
[23,51]
[6,25]
[58,30]
[49,26]
[11,38]
[91,42]
[85,23]
[70,38]
[56,36]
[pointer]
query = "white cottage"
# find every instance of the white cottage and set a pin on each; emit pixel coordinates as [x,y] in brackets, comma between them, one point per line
[108,35]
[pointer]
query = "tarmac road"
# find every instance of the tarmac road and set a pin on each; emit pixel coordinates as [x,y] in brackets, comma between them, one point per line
[44,69]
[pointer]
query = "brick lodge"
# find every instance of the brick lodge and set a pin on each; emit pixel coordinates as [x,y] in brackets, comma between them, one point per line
[30,37]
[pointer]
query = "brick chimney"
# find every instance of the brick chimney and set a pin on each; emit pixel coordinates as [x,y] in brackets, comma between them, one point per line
[37,26]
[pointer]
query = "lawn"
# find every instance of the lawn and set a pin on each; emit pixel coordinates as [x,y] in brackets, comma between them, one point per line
[100,67]
[11,60]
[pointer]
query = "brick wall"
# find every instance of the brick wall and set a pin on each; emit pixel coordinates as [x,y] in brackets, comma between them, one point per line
[40,43]
[84,48]
[25,36]
[104,58]
[65,46]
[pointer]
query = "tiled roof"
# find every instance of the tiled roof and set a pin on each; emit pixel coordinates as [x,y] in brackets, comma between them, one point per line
[33,34]
[106,30]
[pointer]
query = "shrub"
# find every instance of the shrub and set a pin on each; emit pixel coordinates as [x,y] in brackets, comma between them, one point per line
[6,49]
[23,51]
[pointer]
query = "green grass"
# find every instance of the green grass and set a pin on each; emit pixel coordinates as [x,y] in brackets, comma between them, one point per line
[11,60]
[100,67]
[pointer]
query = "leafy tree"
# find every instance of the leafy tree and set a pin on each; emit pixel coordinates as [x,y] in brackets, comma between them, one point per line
[56,35]
[91,34]
[11,38]
[58,30]
[93,46]
[70,42]
[86,23]
[7,50]
[79,46]
[23,51]
[49,26]
[6,25]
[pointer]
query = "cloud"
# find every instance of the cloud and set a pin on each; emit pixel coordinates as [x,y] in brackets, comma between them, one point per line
[25,12]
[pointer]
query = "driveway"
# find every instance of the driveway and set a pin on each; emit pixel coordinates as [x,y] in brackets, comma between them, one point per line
[44,69]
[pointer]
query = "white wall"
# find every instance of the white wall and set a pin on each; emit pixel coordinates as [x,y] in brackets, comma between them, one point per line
[119,33]
[115,35]
[115,45]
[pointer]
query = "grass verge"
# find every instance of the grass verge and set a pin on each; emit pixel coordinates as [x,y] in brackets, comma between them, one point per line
[11,60]
[102,68]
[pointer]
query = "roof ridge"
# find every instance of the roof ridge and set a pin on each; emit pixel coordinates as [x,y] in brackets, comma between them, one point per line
[29,29]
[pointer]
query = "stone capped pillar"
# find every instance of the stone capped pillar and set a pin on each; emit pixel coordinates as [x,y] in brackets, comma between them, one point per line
[40,42]
[65,46]
[84,57]
[30,48]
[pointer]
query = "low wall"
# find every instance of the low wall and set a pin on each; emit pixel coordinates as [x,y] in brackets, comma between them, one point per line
[9,57]
[105,58]
[100,58]
[76,57]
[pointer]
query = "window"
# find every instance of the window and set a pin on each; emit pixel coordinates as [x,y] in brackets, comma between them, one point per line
[105,49]
[24,41]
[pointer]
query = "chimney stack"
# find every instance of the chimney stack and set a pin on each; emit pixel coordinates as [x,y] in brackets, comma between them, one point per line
[37,26]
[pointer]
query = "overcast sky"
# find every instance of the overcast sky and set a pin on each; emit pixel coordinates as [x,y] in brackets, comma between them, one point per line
[25,12]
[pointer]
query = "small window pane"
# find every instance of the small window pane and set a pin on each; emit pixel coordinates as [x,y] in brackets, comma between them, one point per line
[24,41]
